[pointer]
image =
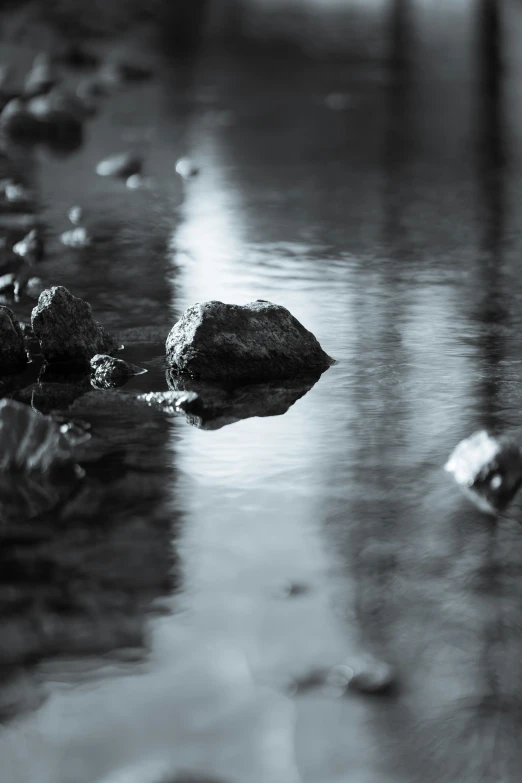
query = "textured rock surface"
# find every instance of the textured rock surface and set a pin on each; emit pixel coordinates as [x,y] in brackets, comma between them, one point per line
[108,372]
[121,166]
[12,350]
[66,330]
[489,470]
[259,341]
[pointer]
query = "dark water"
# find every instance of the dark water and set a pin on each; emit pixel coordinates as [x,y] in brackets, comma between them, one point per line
[153,622]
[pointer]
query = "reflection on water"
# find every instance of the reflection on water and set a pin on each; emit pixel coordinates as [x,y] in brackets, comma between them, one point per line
[152,622]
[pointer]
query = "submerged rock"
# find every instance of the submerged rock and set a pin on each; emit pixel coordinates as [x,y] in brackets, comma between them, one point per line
[13,357]
[186,168]
[259,341]
[121,166]
[31,442]
[41,78]
[76,237]
[66,329]
[488,469]
[108,372]
[31,247]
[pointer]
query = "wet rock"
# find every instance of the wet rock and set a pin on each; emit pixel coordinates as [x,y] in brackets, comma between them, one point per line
[121,166]
[186,168]
[108,372]
[7,285]
[31,442]
[41,78]
[137,182]
[18,122]
[171,402]
[13,357]
[33,288]
[75,215]
[488,469]
[13,193]
[66,330]
[31,247]
[77,238]
[259,341]
[59,119]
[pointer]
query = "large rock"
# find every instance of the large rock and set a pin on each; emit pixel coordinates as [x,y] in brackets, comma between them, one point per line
[488,470]
[66,330]
[259,341]
[13,357]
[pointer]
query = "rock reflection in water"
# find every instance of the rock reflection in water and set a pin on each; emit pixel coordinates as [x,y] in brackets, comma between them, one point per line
[222,406]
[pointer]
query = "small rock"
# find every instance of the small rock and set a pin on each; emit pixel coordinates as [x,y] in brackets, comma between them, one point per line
[109,372]
[7,284]
[31,247]
[18,122]
[186,168]
[75,215]
[122,166]
[14,192]
[259,341]
[58,117]
[488,469]
[31,442]
[66,330]
[76,237]
[41,78]
[13,357]
[137,182]
[338,101]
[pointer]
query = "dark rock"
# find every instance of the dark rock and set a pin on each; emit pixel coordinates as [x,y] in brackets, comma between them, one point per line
[186,168]
[488,469]
[122,166]
[77,238]
[31,247]
[7,285]
[219,406]
[66,330]
[40,79]
[18,122]
[108,372]
[13,357]
[259,341]
[31,442]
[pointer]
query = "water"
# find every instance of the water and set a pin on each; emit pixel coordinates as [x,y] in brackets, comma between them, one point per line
[154,623]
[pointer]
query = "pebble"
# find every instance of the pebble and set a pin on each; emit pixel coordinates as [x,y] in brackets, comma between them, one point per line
[77,238]
[186,168]
[31,247]
[75,215]
[123,165]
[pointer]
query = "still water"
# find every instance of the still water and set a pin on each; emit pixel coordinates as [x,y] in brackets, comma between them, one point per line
[155,622]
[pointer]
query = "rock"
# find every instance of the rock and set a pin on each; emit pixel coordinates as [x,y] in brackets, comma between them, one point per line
[34,287]
[75,215]
[488,469]
[137,182]
[31,442]
[41,78]
[31,247]
[13,357]
[259,341]
[14,193]
[7,284]
[60,116]
[76,237]
[186,168]
[122,166]
[108,372]
[66,330]
[18,122]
